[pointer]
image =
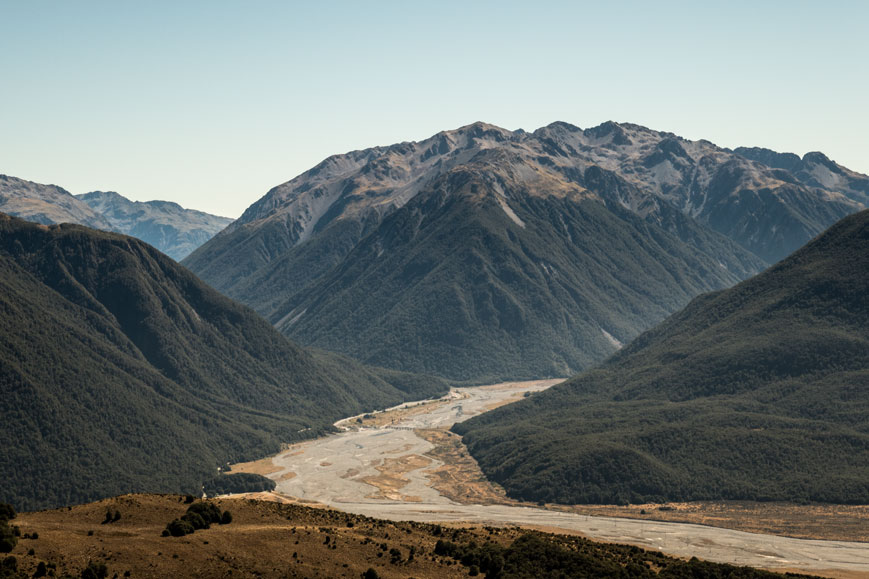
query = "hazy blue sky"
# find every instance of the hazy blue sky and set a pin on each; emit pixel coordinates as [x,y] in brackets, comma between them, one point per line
[212,103]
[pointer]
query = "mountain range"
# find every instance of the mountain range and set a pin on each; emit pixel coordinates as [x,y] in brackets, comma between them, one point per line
[172,229]
[166,225]
[757,392]
[483,254]
[121,371]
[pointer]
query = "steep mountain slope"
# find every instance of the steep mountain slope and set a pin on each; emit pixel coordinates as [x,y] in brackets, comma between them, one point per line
[121,371]
[295,251]
[756,392]
[494,274]
[166,225]
[46,204]
[322,213]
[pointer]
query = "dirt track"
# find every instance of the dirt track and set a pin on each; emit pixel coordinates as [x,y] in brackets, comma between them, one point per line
[387,471]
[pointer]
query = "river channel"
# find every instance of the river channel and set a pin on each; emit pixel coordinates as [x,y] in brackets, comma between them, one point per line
[339,470]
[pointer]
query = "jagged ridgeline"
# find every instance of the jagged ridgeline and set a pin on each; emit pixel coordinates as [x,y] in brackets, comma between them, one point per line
[757,392]
[483,254]
[121,371]
[172,229]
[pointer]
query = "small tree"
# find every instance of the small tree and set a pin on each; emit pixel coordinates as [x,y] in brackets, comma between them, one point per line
[370,574]
[225,518]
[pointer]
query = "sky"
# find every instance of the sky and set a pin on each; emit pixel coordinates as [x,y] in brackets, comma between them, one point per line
[212,103]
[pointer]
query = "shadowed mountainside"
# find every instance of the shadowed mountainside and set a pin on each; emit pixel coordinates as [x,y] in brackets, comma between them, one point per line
[122,371]
[757,392]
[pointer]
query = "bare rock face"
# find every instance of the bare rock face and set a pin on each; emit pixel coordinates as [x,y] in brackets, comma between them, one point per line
[815,170]
[46,204]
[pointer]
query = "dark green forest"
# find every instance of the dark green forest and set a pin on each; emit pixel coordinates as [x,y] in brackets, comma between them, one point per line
[120,371]
[758,392]
[533,555]
[242,482]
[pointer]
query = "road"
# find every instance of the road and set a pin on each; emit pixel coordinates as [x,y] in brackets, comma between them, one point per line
[364,472]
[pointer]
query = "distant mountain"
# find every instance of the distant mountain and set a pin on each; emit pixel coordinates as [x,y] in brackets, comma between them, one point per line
[121,371]
[337,256]
[814,170]
[166,225]
[46,204]
[757,392]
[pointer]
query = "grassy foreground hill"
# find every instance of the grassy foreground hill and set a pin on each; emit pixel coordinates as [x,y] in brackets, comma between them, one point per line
[121,371]
[267,539]
[757,392]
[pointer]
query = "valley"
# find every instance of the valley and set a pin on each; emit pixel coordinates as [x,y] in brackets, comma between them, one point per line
[384,465]
[526,290]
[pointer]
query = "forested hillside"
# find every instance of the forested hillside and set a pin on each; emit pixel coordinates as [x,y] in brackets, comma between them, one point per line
[757,392]
[121,371]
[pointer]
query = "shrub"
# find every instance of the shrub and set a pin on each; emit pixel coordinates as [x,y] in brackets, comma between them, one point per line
[370,574]
[225,518]
[209,512]
[179,528]
[195,520]
[41,570]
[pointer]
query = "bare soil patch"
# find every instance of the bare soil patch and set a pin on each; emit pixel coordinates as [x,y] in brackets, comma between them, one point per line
[390,480]
[459,478]
[264,467]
